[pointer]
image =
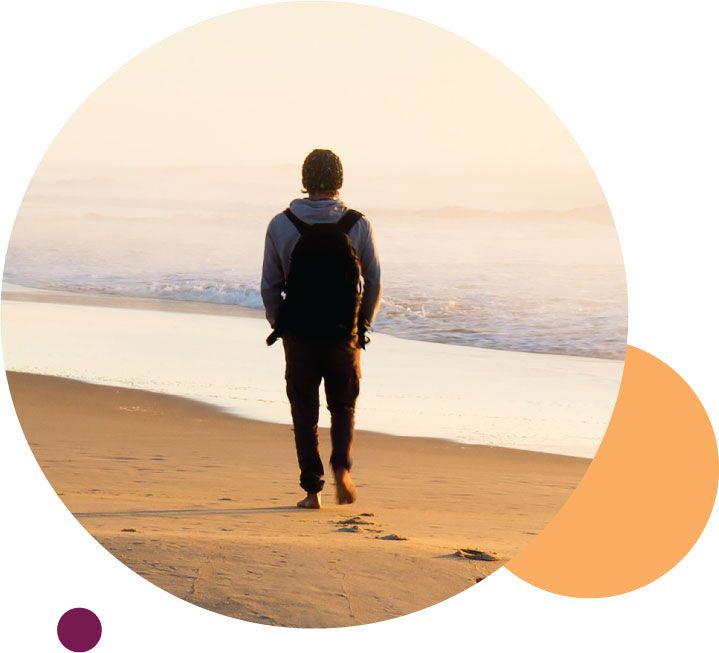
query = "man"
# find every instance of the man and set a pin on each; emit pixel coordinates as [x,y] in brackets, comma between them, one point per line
[309,358]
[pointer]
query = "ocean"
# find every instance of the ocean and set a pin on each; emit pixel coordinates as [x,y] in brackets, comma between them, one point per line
[472,267]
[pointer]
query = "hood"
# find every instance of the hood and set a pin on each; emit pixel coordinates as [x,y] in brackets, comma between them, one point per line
[312,211]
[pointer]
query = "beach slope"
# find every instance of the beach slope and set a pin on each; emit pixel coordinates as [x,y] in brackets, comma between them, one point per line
[201,503]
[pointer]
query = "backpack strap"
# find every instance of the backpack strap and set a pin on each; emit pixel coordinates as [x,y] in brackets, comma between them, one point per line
[348,220]
[301,226]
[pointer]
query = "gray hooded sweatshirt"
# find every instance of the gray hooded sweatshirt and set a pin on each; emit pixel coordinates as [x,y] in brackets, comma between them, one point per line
[282,236]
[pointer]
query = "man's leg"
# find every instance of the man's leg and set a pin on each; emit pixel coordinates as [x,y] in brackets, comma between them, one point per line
[302,377]
[342,374]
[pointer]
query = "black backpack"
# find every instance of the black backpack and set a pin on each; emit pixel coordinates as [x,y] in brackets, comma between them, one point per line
[323,287]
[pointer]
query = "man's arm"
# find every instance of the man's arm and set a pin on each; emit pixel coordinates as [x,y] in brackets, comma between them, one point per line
[273,280]
[372,294]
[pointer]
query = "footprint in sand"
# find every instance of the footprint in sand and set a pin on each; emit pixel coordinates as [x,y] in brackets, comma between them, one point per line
[355,521]
[356,524]
[360,523]
[476,554]
[391,536]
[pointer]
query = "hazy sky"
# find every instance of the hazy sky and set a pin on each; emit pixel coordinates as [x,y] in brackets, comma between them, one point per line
[266,85]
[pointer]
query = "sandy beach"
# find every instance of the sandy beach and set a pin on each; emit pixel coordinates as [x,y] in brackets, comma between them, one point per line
[164,427]
[201,503]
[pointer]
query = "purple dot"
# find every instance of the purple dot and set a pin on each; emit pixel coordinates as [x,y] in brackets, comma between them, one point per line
[79,630]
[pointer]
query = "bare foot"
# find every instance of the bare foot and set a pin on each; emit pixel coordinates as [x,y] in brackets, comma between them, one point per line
[346,492]
[311,501]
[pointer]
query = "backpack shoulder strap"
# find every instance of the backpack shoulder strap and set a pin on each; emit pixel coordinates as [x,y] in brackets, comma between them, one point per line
[301,226]
[348,220]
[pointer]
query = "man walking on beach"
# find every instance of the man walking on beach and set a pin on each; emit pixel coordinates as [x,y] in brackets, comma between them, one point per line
[317,253]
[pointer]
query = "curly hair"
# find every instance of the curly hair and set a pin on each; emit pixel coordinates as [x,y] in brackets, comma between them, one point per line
[321,172]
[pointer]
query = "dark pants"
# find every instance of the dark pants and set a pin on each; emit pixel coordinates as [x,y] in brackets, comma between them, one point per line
[307,363]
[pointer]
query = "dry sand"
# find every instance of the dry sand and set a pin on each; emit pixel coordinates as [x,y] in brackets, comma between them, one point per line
[201,503]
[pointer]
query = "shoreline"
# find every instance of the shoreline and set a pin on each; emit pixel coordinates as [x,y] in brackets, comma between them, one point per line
[15,293]
[220,410]
[217,354]
[201,503]
[18,293]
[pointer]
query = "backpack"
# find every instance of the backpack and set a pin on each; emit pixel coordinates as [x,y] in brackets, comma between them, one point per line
[323,288]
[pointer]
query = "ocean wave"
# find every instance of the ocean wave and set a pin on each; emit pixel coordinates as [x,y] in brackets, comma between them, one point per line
[214,293]
[208,291]
[445,320]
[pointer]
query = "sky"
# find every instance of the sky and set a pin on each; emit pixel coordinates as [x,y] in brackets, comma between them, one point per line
[392,95]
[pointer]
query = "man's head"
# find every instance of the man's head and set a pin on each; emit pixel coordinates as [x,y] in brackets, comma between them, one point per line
[321,173]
